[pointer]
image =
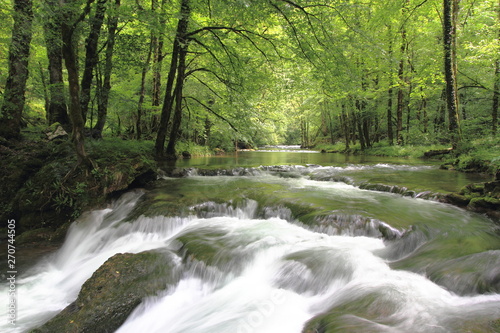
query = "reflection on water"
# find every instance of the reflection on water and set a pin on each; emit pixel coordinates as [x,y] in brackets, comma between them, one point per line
[416,174]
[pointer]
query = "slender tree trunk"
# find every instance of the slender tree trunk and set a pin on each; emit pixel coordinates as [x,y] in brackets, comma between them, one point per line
[330,126]
[15,87]
[68,27]
[496,97]
[346,130]
[450,11]
[57,110]
[496,86]
[46,97]
[157,40]
[401,94]
[174,133]
[102,105]
[91,56]
[179,44]
[402,79]
[142,92]
[366,131]
[441,113]
[390,133]
[390,94]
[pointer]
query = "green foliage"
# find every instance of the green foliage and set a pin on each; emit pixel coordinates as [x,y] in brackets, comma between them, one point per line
[193,149]
[275,73]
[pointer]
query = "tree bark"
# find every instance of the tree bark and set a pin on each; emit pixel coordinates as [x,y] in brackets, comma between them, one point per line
[402,79]
[57,110]
[68,27]
[15,87]
[142,92]
[91,56]
[157,40]
[179,44]
[450,11]
[496,86]
[102,105]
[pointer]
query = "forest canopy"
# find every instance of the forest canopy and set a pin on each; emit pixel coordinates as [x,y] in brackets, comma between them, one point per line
[219,73]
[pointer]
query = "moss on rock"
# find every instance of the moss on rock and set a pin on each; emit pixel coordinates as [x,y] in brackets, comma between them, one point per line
[42,187]
[113,292]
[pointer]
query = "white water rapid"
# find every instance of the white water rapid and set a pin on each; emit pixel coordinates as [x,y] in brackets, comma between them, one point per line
[272,274]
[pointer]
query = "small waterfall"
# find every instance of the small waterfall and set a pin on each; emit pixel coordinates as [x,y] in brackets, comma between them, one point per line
[296,255]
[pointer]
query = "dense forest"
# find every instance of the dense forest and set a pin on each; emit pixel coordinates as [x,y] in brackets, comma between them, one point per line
[223,73]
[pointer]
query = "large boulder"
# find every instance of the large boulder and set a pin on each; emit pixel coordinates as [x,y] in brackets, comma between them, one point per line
[113,292]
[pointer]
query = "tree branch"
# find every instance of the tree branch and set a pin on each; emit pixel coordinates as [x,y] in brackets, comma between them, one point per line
[213,112]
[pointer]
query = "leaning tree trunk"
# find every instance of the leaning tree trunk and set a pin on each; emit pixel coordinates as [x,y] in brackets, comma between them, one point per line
[450,11]
[13,103]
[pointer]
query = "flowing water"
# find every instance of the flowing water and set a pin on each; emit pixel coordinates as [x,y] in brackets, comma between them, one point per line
[277,249]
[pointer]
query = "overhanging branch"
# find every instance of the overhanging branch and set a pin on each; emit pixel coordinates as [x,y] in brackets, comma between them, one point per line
[213,112]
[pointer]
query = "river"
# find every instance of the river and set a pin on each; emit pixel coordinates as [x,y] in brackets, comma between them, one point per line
[287,241]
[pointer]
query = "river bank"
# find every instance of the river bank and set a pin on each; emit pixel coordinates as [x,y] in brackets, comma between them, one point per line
[42,192]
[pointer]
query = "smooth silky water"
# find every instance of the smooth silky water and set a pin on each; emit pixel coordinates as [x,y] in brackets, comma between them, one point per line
[285,245]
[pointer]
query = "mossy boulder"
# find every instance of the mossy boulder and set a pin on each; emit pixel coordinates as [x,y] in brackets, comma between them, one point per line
[456,199]
[370,312]
[113,292]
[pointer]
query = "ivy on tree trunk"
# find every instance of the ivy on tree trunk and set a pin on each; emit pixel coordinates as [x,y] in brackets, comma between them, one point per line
[14,97]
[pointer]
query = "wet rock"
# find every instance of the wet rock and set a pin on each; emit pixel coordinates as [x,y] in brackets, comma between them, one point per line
[457,199]
[462,276]
[485,202]
[113,292]
[360,312]
[388,188]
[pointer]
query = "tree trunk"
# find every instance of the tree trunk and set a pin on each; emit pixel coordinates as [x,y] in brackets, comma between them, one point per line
[345,127]
[15,87]
[68,27]
[390,134]
[91,56]
[402,79]
[401,96]
[496,86]
[496,97]
[174,133]
[102,105]
[450,12]
[179,44]
[390,93]
[142,92]
[57,110]
[157,40]
[439,121]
